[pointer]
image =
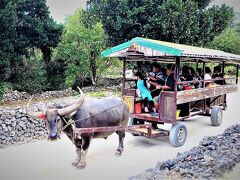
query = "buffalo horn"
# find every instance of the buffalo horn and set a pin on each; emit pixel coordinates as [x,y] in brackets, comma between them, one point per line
[32,114]
[68,110]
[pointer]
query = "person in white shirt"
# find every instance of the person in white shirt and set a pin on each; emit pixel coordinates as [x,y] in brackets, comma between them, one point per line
[208,76]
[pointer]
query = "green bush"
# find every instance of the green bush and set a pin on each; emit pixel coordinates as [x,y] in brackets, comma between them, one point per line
[56,81]
[3,88]
[230,70]
[31,76]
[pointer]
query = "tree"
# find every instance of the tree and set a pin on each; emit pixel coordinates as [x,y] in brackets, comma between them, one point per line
[228,41]
[8,38]
[81,43]
[31,75]
[181,21]
[37,28]
[26,27]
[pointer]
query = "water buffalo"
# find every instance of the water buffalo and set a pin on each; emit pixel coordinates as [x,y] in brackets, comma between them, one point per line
[86,113]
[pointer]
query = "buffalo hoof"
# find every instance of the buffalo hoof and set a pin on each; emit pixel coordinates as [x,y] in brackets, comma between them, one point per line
[118,153]
[81,165]
[75,163]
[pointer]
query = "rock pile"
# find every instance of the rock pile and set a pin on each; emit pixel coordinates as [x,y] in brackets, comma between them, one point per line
[16,127]
[213,157]
[18,96]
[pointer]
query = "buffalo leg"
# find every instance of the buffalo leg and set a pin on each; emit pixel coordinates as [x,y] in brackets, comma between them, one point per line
[121,136]
[78,151]
[83,153]
[78,145]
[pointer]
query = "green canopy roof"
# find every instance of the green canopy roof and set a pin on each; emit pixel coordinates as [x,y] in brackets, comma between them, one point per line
[142,42]
[154,48]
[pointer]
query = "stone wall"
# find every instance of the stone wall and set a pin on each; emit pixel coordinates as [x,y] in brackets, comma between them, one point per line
[16,127]
[18,96]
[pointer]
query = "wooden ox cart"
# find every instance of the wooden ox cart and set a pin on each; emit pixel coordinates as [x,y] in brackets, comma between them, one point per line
[207,101]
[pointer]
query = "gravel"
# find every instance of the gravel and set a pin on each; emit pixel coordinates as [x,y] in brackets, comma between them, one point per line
[214,156]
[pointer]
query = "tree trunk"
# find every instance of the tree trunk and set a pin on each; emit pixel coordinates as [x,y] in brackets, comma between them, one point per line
[93,66]
[46,51]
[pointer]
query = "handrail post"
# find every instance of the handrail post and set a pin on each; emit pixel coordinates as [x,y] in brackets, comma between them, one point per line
[124,76]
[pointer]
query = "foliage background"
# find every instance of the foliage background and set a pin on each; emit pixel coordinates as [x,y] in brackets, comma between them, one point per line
[38,54]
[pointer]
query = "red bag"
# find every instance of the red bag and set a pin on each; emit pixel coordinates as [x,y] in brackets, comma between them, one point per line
[187,87]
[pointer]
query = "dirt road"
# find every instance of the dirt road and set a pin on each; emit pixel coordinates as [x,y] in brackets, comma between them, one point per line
[52,160]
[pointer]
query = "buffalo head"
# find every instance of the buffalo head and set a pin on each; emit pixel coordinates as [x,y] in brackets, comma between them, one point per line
[53,116]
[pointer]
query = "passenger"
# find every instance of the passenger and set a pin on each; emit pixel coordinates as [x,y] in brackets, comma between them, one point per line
[163,70]
[198,76]
[169,83]
[185,75]
[217,73]
[208,76]
[145,94]
[192,73]
[199,73]
[155,77]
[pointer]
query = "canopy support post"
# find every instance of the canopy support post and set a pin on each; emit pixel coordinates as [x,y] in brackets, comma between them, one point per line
[177,70]
[203,73]
[223,67]
[124,75]
[204,106]
[237,73]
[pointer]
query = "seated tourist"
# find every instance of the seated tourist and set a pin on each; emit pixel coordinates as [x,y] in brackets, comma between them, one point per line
[155,77]
[169,83]
[197,77]
[192,73]
[217,74]
[145,94]
[208,76]
[185,75]
[199,73]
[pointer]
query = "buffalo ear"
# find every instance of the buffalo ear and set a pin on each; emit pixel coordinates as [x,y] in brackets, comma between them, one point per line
[42,116]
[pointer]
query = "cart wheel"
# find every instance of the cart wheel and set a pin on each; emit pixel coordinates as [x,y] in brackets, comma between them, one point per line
[216,116]
[178,134]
